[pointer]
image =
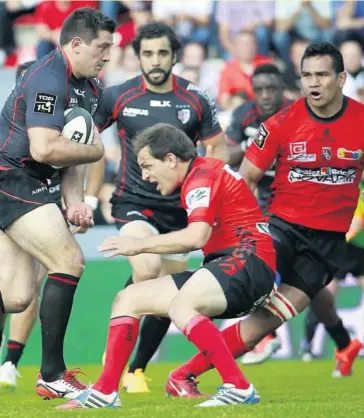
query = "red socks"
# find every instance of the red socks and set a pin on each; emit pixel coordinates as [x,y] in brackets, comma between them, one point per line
[200,364]
[123,334]
[214,349]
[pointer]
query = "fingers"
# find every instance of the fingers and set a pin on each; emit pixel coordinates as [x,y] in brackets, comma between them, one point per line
[112,254]
[108,244]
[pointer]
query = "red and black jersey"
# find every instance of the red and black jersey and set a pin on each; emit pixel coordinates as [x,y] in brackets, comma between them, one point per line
[318,165]
[135,108]
[214,193]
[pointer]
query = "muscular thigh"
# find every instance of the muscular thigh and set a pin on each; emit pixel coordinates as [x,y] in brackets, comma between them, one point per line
[43,233]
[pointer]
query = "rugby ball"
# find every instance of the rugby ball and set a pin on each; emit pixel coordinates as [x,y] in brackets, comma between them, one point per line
[79,126]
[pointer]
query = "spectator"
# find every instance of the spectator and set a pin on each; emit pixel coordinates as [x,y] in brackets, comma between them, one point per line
[235,16]
[307,19]
[50,17]
[128,67]
[191,74]
[191,22]
[9,12]
[113,9]
[349,16]
[353,55]
[292,73]
[236,74]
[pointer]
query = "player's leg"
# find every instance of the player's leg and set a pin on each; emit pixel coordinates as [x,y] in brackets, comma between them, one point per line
[152,331]
[50,241]
[151,296]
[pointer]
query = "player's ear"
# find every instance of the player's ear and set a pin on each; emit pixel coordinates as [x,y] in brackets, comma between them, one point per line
[342,78]
[76,44]
[174,58]
[171,160]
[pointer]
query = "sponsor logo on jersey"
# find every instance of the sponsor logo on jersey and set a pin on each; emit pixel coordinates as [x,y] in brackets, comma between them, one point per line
[263,227]
[160,103]
[198,198]
[132,112]
[40,189]
[73,101]
[80,92]
[260,139]
[209,99]
[326,153]
[298,152]
[345,154]
[325,175]
[45,103]
[184,115]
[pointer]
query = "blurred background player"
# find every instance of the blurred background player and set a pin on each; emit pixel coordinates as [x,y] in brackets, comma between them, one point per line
[352,264]
[137,206]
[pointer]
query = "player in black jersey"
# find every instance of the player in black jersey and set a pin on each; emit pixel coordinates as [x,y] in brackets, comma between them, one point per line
[32,226]
[139,209]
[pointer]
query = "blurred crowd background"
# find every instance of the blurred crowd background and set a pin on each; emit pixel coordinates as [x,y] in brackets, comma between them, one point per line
[224,41]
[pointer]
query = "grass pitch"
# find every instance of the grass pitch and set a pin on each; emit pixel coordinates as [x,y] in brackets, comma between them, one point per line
[288,389]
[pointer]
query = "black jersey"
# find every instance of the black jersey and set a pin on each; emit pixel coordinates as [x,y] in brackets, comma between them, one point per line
[39,98]
[135,108]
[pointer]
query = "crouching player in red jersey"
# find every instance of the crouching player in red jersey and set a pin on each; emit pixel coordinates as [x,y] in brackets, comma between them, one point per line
[236,278]
[318,142]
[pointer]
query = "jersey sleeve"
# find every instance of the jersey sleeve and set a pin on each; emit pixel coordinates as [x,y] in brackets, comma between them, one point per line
[235,130]
[266,145]
[104,116]
[199,199]
[210,126]
[45,98]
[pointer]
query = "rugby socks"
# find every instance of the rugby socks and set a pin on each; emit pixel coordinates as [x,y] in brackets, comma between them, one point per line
[339,334]
[55,311]
[202,332]
[310,323]
[200,364]
[14,352]
[122,337]
[152,331]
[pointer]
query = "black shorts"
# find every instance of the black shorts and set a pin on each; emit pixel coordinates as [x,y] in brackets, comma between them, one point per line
[246,283]
[20,193]
[353,262]
[164,220]
[307,259]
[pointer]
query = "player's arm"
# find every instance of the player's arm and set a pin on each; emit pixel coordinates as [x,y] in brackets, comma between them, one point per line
[211,134]
[94,182]
[72,181]
[235,136]
[261,154]
[45,99]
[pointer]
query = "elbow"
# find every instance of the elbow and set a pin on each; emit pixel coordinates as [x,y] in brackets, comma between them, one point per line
[42,154]
[199,242]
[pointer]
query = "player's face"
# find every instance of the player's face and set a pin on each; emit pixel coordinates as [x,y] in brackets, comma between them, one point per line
[268,90]
[156,60]
[320,83]
[161,173]
[93,56]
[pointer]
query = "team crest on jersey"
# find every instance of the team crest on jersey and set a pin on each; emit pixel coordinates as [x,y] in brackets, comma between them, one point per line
[326,153]
[184,115]
[260,139]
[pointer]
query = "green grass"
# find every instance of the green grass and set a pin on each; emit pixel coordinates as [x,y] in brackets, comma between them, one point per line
[288,389]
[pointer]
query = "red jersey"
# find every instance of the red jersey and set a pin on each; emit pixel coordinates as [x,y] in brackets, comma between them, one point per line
[318,170]
[213,193]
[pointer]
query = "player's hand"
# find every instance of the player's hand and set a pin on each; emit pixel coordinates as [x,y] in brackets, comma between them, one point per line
[125,245]
[78,230]
[80,214]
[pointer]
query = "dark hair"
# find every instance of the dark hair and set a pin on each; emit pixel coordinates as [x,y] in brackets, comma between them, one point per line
[325,48]
[162,139]
[156,30]
[85,23]
[267,69]
[22,68]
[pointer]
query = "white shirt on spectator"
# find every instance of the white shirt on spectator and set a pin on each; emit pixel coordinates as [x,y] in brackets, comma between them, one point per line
[165,10]
[353,84]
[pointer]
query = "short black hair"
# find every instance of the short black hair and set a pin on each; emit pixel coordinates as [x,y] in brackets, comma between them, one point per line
[321,49]
[162,139]
[85,23]
[267,69]
[156,30]
[22,68]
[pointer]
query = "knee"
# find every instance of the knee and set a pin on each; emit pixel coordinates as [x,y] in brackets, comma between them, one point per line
[19,303]
[148,270]
[179,310]
[127,299]
[72,262]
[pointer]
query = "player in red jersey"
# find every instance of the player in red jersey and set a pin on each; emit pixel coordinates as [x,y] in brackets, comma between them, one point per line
[237,276]
[319,150]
